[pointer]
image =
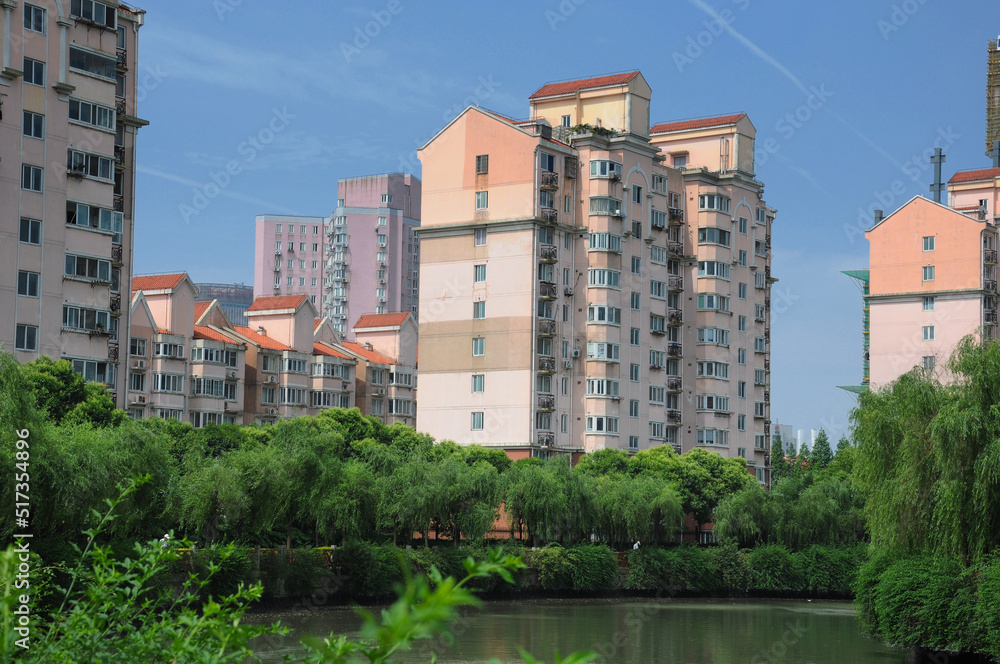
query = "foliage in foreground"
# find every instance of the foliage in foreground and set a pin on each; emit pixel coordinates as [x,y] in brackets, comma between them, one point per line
[120,611]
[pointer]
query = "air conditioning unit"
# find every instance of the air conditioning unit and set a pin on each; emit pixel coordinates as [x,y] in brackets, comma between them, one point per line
[272,411]
[140,399]
[576,353]
[568,292]
[140,365]
[277,268]
[232,374]
[380,391]
[568,364]
[272,379]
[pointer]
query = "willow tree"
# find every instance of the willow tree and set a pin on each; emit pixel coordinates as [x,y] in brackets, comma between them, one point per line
[928,458]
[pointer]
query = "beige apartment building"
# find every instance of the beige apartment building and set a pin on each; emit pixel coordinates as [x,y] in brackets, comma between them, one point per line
[584,286]
[67,176]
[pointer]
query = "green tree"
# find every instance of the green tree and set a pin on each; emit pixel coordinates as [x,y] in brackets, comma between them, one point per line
[822,455]
[96,407]
[56,387]
[535,496]
[604,462]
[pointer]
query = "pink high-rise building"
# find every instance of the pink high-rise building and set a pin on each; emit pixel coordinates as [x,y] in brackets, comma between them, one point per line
[67,181]
[288,256]
[373,256]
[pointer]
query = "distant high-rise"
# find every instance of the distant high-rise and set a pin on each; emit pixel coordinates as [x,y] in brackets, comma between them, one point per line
[234,299]
[288,256]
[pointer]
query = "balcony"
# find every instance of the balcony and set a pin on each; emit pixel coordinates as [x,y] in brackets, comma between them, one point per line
[673,417]
[116,254]
[549,215]
[113,351]
[676,215]
[120,107]
[990,285]
[116,304]
[548,253]
[546,402]
[767,365]
[546,364]
[119,203]
[990,317]
[675,317]
[546,438]
[547,290]
[675,284]
[767,397]
[674,384]
[121,62]
[546,327]
[676,248]
[990,256]
[549,180]
[674,350]
[120,154]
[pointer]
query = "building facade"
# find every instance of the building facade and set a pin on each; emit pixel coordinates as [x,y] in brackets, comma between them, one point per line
[562,278]
[373,256]
[234,299]
[288,257]
[66,219]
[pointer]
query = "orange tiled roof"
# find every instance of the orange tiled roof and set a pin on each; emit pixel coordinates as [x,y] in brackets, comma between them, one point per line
[200,308]
[161,330]
[701,123]
[316,323]
[204,332]
[261,340]
[272,302]
[381,320]
[569,87]
[369,355]
[323,349]
[975,176]
[157,281]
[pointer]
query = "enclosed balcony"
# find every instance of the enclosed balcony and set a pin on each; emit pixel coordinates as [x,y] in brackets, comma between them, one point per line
[674,384]
[675,248]
[546,327]
[549,180]
[675,284]
[676,215]
[990,256]
[674,350]
[546,364]
[548,253]
[550,215]
[674,416]
[547,290]
[675,317]
[990,285]
[546,402]
[546,438]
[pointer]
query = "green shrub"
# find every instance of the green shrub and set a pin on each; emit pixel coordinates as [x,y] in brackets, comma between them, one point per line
[774,568]
[370,569]
[594,567]
[827,569]
[234,569]
[988,606]
[697,569]
[733,568]
[555,569]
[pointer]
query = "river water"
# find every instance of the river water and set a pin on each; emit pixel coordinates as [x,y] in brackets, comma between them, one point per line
[625,631]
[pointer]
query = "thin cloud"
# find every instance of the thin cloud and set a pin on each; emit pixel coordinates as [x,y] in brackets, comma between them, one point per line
[170,177]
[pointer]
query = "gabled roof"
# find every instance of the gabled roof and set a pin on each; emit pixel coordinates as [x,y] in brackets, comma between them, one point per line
[200,308]
[368,355]
[158,281]
[205,332]
[323,349]
[381,320]
[259,339]
[316,323]
[920,199]
[699,123]
[975,176]
[278,302]
[570,87]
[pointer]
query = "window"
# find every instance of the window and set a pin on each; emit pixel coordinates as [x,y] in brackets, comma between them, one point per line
[713,437]
[479,310]
[929,303]
[657,323]
[636,265]
[88,268]
[567,208]
[602,168]
[599,387]
[636,301]
[91,216]
[928,333]
[605,205]
[713,236]
[93,11]
[481,199]
[713,370]
[478,383]
[658,255]
[565,386]
[637,229]
[27,283]
[92,114]
[929,243]
[741,389]
[547,162]
[713,269]
[90,165]
[482,164]
[680,161]
[602,424]
[602,350]
[743,291]
[386,199]
[545,346]
[480,237]
[713,301]
[928,363]
[741,356]
[759,312]
[603,278]
[477,421]
[600,313]
[34,72]
[291,396]
[478,346]
[605,242]
[634,373]
[34,18]
[713,335]
[545,273]
[658,219]
[26,337]
[759,409]
[633,408]
[928,273]
[759,377]
[741,323]
[713,202]
[636,194]
[659,183]
[657,394]
[713,402]
[743,225]
[31,178]
[137,347]
[633,336]
[760,280]
[742,257]
[760,345]
[90,62]
[33,125]
[30,231]
[633,442]
[313,282]
[657,359]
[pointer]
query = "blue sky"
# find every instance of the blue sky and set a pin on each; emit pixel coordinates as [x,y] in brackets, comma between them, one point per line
[292,99]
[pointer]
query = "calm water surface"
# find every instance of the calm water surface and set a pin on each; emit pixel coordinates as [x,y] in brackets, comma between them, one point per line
[629,631]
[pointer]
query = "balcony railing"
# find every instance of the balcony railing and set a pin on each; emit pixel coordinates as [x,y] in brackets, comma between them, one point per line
[121,62]
[550,180]
[674,385]
[676,215]
[674,350]
[990,256]
[116,254]
[113,351]
[120,154]
[547,290]
[546,327]
[675,284]
[675,317]
[547,364]
[546,439]
[120,107]
[674,416]
[116,304]
[990,285]
[549,253]
[119,203]
[676,248]
[550,215]
[546,402]
[991,317]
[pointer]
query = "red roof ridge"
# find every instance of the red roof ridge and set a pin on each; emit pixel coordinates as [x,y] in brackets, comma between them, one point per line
[261,340]
[157,281]
[277,302]
[207,332]
[975,175]
[370,355]
[326,349]
[697,123]
[556,88]
[381,320]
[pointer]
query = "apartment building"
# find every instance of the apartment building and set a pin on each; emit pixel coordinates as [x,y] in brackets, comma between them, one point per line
[187,361]
[288,257]
[386,349]
[568,302]
[373,257]
[234,299]
[933,277]
[68,132]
